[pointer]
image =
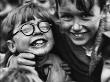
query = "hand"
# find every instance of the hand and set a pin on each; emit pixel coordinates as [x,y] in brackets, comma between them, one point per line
[20,74]
[56,74]
[66,68]
[31,73]
[22,59]
[25,61]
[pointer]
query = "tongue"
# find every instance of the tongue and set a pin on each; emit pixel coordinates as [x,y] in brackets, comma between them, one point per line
[38,43]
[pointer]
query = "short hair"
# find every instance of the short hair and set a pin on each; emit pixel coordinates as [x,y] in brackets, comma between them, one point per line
[83,5]
[21,15]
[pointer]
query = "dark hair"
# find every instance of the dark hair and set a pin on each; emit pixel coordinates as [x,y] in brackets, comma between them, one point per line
[14,2]
[83,5]
[105,47]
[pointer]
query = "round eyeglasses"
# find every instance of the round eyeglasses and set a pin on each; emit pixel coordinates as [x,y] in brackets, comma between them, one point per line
[29,28]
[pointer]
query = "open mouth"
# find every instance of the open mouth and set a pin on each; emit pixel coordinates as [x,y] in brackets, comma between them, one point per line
[78,35]
[39,43]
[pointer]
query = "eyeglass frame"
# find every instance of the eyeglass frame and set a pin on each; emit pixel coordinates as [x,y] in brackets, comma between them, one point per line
[33,25]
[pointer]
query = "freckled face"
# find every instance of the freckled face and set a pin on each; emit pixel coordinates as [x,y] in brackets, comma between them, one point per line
[79,26]
[38,43]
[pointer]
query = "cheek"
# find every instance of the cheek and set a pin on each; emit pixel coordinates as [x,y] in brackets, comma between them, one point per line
[93,26]
[22,43]
[49,35]
[66,25]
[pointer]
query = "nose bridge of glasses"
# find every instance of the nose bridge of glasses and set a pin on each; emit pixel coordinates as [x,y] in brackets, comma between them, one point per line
[36,28]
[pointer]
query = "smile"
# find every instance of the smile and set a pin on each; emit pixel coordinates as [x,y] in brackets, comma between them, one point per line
[39,43]
[79,35]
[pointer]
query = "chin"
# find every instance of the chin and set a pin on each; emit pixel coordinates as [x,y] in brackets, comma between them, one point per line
[80,43]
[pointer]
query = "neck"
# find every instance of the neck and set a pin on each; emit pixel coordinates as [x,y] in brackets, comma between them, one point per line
[88,48]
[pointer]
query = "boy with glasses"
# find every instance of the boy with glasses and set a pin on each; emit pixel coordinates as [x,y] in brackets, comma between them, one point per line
[30,29]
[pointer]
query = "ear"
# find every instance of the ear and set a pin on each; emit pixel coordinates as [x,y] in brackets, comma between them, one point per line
[11,46]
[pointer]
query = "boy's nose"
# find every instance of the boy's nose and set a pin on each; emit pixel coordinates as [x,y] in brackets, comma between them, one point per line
[76,27]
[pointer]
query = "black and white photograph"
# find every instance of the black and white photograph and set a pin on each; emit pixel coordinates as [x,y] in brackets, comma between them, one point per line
[54,40]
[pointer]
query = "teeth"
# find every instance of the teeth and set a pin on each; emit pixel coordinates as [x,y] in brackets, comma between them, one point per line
[78,35]
[40,41]
[39,44]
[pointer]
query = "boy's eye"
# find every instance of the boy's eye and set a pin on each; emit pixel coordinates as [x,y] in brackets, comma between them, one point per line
[27,29]
[107,63]
[67,17]
[44,26]
[42,1]
[85,16]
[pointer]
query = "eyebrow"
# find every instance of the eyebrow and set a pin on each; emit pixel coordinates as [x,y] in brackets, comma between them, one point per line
[69,10]
[71,13]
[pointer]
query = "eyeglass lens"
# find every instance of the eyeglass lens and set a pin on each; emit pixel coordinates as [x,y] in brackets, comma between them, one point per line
[29,29]
[44,26]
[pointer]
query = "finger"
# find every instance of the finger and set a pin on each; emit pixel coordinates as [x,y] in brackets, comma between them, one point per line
[29,68]
[33,75]
[68,73]
[66,68]
[64,65]
[27,55]
[22,61]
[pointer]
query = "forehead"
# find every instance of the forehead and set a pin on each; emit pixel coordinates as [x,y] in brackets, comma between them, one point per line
[77,5]
[68,7]
[35,20]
